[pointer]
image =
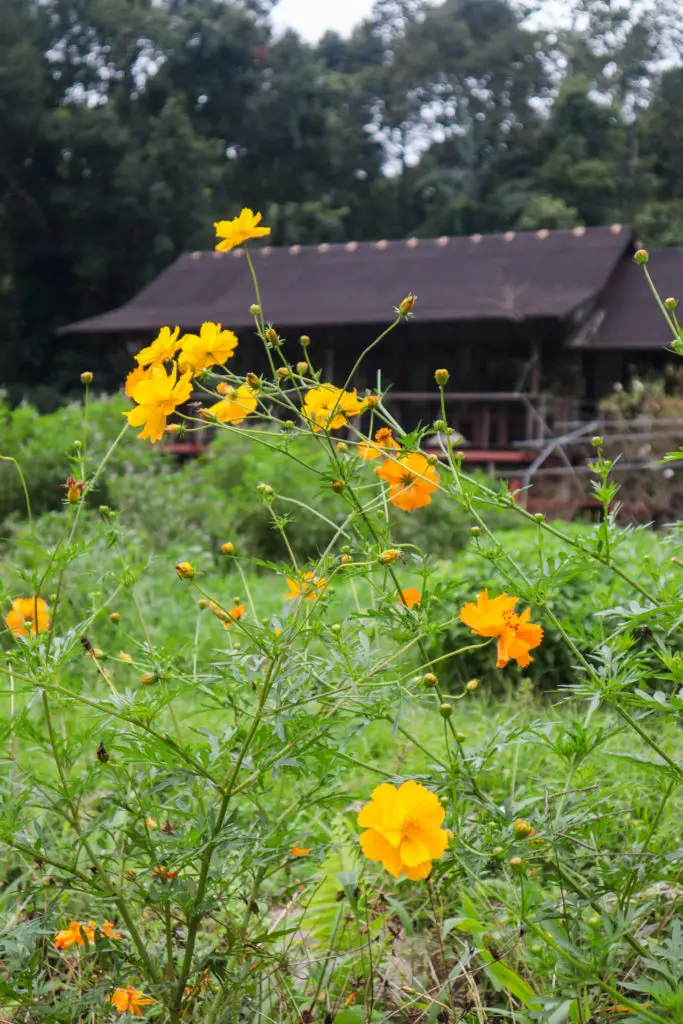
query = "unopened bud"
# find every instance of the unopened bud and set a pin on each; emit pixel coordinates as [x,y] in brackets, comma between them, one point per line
[86,377]
[203,603]
[406,306]
[496,851]
[475,530]
[271,335]
[224,388]
[596,441]
[338,486]
[522,829]
[388,556]
[207,414]
[252,380]
[429,679]
[516,865]
[265,489]
[185,571]
[440,425]
[433,460]
[336,629]
[342,447]
[114,617]
[371,401]
[446,710]
[539,517]
[148,678]
[641,257]
[288,425]
[472,685]
[304,341]
[442,377]
[228,548]
[255,309]
[284,371]
[345,559]
[173,428]
[671,303]
[302,367]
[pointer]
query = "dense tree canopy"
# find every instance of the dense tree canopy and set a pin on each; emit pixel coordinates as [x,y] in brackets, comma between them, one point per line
[127,126]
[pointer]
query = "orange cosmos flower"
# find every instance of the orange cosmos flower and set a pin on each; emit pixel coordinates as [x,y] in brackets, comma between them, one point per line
[28,615]
[129,1000]
[309,587]
[328,408]
[497,617]
[108,930]
[238,230]
[300,851]
[162,350]
[236,406]
[157,397]
[164,874]
[412,480]
[410,597]
[73,935]
[403,829]
[211,347]
[384,442]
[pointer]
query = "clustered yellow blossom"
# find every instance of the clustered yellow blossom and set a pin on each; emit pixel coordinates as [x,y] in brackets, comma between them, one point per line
[328,408]
[403,829]
[496,617]
[308,587]
[28,615]
[74,934]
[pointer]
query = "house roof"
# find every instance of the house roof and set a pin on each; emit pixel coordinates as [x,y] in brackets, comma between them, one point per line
[514,276]
[632,317]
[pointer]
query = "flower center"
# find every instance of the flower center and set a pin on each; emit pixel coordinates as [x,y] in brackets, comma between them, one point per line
[411,828]
[511,619]
[407,480]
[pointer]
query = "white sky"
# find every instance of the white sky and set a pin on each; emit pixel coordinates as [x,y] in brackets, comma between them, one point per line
[311,18]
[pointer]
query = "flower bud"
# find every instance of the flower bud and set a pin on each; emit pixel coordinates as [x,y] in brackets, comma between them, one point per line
[254,309]
[388,556]
[671,303]
[522,829]
[496,851]
[203,603]
[265,489]
[342,447]
[442,377]
[461,737]
[472,685]
[596,441]
[440,425]
[641,257]
[185,571]
[148,678]
[228,548]
[86,377]
[516,864]
[336,629]
[173,428]
[284,371]
[302,367]
[114,617]
[429,679]
[371,401]
[338,486]
[224,388]
[271,335]
[288,425]
[475,530]
[406,306]
[208,414]
[304,341]
[539,517]
[433,460]
[446,710]
[345,559]
[252,380]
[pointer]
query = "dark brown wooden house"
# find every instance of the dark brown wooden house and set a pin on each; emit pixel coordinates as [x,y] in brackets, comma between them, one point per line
[533,326]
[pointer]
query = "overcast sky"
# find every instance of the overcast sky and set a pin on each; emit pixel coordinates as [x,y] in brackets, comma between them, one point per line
[313,17]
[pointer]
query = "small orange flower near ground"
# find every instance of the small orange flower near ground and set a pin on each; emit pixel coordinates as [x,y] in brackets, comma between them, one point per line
[300,851]
[164,874]
[108,930]
[28,615]
[228,618]
[412,480]
[496,617]
[236,406]
[308,587]
[384,443]
[129,1000]
[73,935]
[403,829]
[410,597]
[150,822]
[238,230]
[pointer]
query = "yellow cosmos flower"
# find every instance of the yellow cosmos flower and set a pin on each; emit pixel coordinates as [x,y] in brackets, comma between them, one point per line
[28,615]
[211,347]
[496,617]
[308,587]
[235,407]
[384,442]
[403,829]
[162,350]
[328,408]
[134,377]
[411,480]
[129,1000]
[158,396]
[238,230]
